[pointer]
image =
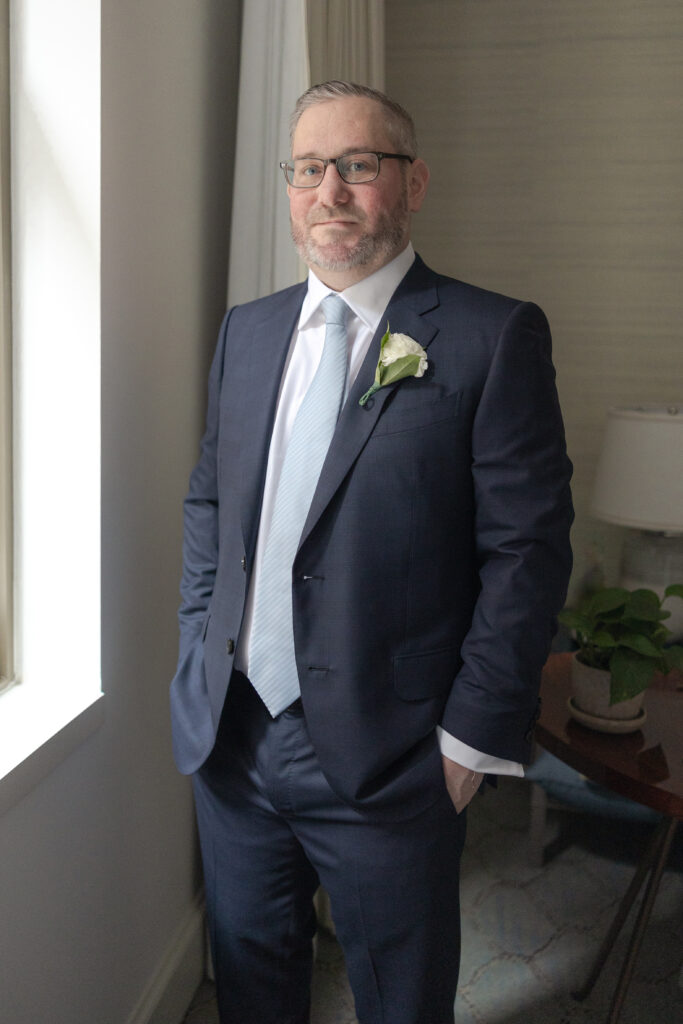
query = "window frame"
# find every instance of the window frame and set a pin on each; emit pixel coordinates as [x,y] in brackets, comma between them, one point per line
[6,375]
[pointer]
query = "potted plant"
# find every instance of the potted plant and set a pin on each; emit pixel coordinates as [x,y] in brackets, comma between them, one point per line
[622,643]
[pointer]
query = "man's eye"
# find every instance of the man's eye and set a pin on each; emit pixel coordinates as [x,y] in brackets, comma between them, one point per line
[357,166]
[308,170]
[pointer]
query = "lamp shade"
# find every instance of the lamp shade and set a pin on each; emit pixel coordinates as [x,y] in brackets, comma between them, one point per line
[639,479]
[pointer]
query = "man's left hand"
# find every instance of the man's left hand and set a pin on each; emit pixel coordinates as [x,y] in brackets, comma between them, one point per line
[461,783]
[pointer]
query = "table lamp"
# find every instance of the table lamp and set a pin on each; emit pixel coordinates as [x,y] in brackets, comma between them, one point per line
[639,484]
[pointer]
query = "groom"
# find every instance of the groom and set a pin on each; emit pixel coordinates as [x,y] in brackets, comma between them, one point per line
[369,587]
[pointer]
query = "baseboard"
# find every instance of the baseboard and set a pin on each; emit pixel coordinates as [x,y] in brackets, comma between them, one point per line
[178,975]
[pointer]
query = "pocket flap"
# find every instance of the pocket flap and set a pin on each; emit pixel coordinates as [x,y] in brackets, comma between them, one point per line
[397,418]
[424,675]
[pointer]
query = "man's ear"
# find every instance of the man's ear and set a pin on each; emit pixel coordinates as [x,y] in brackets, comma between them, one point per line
[418,179]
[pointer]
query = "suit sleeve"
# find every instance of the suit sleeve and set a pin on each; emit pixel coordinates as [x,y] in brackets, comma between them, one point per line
[523,513]
[200,533]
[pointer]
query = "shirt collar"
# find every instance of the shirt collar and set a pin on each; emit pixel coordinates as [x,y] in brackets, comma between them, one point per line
[367,298]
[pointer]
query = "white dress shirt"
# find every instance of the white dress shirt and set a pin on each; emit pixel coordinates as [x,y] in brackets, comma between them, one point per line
[367,301]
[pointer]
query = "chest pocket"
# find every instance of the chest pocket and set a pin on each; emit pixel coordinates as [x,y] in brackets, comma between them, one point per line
[397,417]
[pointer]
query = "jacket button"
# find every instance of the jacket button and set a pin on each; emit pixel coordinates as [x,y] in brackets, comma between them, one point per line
[244,563]
[230,646]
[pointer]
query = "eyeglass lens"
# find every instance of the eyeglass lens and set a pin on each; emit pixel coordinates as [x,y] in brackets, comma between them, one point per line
[354,169]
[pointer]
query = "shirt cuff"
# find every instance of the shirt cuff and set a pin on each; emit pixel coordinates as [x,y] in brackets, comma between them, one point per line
[473,759]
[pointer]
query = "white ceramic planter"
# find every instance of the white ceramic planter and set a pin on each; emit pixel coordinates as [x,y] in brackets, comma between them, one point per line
[591,694]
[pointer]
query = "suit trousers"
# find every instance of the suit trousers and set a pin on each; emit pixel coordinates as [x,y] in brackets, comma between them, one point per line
[271,829]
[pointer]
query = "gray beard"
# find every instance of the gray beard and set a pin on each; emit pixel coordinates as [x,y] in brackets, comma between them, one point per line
[379,248]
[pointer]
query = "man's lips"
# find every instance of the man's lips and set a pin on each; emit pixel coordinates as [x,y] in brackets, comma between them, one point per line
[334,222]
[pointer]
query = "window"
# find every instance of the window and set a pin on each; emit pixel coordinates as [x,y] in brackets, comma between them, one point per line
[54,78]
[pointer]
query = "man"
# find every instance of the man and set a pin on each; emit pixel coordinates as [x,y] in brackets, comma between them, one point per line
[368,594]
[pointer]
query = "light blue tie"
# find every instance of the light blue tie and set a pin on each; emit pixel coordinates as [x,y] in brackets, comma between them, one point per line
[272,662]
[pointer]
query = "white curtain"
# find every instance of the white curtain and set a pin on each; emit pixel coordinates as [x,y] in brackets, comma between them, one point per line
[286,45]
[346,40]
[273,74]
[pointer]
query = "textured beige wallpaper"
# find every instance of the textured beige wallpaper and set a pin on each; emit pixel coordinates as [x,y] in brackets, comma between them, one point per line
[554,132]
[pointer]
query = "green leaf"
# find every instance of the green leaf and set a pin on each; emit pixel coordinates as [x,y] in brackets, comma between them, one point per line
[675,590]
[643,604]
[613,617]
[379,367]
[601,638]
[607,600]
[404,366]
[631,674]
[646,627]
[572,619]
[641,644]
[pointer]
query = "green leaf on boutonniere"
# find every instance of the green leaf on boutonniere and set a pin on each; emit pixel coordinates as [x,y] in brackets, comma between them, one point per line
[399,357]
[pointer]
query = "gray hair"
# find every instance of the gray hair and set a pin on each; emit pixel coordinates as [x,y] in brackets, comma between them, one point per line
[399,122]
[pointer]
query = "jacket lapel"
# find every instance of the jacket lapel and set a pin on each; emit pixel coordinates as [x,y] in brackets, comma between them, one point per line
[256,398]
[415,296]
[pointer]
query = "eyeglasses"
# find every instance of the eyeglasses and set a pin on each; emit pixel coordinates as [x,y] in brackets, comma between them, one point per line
[353,168]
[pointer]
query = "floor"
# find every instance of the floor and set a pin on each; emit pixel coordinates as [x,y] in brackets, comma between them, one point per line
[530,933]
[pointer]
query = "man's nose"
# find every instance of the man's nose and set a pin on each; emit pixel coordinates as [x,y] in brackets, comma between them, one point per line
[332,189]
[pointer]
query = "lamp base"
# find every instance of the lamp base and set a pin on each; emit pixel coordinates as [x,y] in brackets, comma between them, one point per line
[655,561]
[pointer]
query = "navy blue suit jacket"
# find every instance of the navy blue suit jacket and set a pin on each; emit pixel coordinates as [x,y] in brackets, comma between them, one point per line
[434,558]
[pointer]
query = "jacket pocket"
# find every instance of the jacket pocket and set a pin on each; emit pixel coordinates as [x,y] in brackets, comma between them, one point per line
[397,417]
[421,676]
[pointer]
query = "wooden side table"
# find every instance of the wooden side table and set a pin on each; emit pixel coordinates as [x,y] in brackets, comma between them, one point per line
[646,766]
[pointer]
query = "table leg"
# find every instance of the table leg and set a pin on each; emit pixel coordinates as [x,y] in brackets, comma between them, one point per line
[653,860]
[668,827]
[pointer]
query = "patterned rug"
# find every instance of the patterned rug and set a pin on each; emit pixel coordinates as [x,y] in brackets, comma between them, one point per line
[530,934]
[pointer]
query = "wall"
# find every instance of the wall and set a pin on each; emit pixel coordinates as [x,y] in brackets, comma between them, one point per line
[100,874]
[553,131]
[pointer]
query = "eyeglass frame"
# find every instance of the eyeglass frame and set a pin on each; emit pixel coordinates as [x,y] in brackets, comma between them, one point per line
[284,164]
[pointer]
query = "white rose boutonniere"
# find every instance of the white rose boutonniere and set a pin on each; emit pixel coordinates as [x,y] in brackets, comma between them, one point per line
[399,357]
